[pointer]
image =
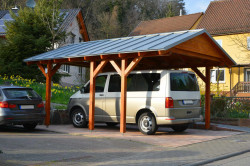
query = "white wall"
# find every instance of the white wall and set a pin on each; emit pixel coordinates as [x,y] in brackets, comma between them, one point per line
[75,77]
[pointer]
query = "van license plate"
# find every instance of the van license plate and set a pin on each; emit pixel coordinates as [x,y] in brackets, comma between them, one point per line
[22,107]
[188,102]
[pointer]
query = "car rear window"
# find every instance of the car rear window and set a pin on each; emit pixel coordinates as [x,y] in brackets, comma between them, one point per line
[183,82]
[20,93]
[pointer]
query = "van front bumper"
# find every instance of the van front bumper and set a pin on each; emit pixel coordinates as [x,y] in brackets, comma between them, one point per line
[171,121]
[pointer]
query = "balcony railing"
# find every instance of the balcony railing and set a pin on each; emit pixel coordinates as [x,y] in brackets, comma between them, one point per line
[242,87]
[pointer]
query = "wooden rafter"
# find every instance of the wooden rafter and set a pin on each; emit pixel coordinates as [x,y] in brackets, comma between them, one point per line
[199,74]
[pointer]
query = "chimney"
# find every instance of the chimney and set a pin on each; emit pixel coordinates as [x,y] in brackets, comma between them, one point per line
[180,12]
[15,8]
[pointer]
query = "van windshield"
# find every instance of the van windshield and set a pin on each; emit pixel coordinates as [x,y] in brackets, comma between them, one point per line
[183,82]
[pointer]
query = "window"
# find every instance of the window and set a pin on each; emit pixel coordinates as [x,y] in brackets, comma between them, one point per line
[80,71]
[136,82]
[218,75]
[80,40]
[219,42]
[20,93]
[248,43]
[66,68]
[183,82]
[99,84]
[72,38]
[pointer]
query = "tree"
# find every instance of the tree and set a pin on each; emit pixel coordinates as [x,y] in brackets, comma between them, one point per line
[27,35]
[52,17]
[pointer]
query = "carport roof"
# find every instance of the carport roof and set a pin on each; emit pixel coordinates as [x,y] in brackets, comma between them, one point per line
[174,42]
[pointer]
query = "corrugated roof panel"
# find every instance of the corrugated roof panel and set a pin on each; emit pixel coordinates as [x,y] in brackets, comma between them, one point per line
[179,38]
[134,44]
[148,46]
[95,48]
[75,52]
[129,43]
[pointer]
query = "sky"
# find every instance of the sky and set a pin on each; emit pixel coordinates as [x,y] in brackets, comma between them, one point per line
[196,6]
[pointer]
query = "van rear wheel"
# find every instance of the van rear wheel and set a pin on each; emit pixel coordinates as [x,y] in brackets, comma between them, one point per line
[147,123]
[78,118]
[180,128]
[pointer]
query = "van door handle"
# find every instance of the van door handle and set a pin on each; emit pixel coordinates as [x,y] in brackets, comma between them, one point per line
[101,94]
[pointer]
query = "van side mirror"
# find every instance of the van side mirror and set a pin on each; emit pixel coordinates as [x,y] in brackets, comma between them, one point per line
[82,90]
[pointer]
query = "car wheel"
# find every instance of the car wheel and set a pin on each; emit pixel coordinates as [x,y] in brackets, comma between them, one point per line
[147,123]
[30,126]
[78,118]
[111,124]
[180,128]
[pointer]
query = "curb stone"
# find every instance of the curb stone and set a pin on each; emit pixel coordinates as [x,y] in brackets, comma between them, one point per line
[220,158]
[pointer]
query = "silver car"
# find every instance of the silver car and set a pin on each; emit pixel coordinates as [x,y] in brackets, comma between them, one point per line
[154,98]
[20,106]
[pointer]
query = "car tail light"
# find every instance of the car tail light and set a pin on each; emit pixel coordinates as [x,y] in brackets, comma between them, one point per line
[169,102]
[5,104]
[40,105]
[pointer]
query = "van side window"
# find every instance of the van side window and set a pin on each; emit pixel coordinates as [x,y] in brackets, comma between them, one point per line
[99,84]
[136,82]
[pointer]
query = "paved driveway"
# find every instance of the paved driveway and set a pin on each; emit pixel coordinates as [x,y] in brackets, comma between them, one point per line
[165,137]
[64,145]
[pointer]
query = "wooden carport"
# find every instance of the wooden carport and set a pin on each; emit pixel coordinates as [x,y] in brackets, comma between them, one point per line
[185,49]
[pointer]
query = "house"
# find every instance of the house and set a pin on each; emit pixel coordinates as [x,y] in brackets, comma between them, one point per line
[229,24]
[76,31]
[228,21]
[169,24]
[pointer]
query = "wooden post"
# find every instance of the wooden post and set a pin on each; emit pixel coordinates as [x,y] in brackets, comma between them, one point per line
[92,96]
[207,99]
[48,93]
[123,96]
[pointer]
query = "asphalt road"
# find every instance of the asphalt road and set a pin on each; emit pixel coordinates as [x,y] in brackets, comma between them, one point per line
[20,147]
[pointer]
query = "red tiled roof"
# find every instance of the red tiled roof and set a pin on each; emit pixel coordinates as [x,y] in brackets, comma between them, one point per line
[169,24]
[227,17]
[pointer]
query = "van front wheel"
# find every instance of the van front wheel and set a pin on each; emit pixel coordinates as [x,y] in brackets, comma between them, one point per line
[147,123]
[78,118]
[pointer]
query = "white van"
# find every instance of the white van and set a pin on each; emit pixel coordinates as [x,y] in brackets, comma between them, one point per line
[154,98]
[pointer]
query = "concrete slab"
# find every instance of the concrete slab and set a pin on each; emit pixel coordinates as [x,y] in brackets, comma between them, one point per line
[165,137]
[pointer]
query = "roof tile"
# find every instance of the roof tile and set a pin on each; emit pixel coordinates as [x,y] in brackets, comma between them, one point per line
[169,24]
[227,17]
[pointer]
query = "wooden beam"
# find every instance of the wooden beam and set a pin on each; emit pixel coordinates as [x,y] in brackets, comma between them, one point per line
[195,54]
[197,71]
[83,29]
[92,96]
[132,65]
[55,68]
[80,59]
[31,63]
[48,93]
[123,96]
[115,65]
[99,68]
[111,57]
[61,60]
[42,69]
[207,98]
[92,58]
